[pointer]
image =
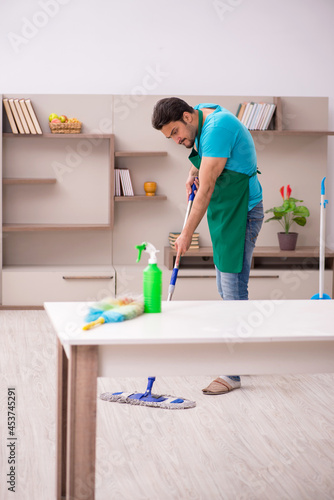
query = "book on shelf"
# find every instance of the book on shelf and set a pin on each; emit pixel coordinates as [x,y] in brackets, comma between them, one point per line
[251,115]
[10,116]
[256,116]
[260,116]
[33,116]
[269,116]
[264,115]
[21,116]
[27,116]
[123,184]
[241,110]
[253,123]
[249,106]
[172,237]
[118,191]
[16,116]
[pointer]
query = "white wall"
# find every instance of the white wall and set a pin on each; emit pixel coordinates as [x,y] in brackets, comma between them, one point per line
[179,47]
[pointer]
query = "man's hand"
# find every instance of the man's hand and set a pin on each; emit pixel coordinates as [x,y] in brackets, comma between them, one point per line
[189,183]
[181,245]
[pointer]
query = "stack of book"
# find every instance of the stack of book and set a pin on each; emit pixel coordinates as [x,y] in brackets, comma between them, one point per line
[123,184]
[194,241]
[256,116]
[21,116]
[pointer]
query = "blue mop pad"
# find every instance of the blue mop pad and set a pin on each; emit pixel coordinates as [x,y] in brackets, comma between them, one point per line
[148,399]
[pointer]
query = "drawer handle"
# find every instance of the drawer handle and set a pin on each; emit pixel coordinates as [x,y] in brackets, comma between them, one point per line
[267,276]
[202,276]
[88,277]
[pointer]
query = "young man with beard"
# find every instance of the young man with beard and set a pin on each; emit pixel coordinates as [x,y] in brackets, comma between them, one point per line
[224,160]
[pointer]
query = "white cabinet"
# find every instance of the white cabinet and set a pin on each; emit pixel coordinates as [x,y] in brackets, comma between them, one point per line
[33,286]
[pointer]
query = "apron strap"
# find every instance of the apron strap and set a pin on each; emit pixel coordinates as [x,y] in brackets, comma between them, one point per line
[257,171]
[194,157]
[200,125]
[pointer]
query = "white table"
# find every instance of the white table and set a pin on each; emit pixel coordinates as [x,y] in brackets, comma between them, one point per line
[187,338]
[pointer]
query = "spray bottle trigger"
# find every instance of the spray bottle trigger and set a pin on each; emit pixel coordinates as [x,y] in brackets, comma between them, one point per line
[140,248]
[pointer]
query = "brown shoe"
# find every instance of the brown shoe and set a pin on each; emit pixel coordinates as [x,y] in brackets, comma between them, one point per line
[220,386]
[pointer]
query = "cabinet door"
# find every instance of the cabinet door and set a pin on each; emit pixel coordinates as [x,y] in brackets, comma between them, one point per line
[196,284]
[287,284]
[191,284]
[196,288]
[33,288]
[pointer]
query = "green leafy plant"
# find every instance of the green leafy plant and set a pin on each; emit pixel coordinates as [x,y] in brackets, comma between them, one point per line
[289,212]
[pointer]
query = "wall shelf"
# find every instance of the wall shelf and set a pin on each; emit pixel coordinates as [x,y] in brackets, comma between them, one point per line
[11,228]
[26,181]
[60,136]
[259,252]
[129,154]
[17,181]
[143,197]
[293,132]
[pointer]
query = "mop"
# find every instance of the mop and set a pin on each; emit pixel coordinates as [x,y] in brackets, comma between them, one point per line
[146,398]
[149,399]
[321,295]
[177,264]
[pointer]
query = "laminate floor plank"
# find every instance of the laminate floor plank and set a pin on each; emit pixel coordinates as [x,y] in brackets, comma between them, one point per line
[271,439]
[28,363]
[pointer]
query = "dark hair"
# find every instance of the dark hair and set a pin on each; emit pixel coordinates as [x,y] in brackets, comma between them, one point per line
[168,110]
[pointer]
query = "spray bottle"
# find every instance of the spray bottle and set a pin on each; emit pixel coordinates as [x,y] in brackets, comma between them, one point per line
[152,279]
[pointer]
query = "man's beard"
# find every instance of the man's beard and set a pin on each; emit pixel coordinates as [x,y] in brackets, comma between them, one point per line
[191,145]
[191,139]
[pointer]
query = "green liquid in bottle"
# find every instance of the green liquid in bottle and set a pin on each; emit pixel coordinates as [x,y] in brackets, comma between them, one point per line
[152,289]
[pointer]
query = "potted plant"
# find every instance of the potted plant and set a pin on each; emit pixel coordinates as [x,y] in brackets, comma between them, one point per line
[286,215]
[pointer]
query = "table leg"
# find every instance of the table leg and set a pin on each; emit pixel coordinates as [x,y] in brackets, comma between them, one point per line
[81,430]
[61,421]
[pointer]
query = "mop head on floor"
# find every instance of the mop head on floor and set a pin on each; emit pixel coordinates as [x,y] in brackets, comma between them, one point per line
[112,310]
[148,399]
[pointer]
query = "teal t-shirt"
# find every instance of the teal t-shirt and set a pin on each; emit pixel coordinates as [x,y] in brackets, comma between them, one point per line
[224,136]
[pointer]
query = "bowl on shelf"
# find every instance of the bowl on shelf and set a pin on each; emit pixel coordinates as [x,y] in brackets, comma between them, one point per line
[65,128]
[150,188]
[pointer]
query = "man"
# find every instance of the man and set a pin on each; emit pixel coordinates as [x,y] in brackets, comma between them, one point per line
[224,161]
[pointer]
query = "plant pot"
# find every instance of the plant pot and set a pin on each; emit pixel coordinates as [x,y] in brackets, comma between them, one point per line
[150,188]
[287,241]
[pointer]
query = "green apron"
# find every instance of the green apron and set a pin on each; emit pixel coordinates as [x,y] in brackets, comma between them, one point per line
[227,213]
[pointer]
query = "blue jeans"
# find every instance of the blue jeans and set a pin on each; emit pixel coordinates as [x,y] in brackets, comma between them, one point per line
[234,286]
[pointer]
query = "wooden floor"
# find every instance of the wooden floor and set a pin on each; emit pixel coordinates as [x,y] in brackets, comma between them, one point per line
[271,439]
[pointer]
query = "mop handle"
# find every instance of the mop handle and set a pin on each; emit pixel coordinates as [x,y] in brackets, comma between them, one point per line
[323,204]
[177,265]
[190,202]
